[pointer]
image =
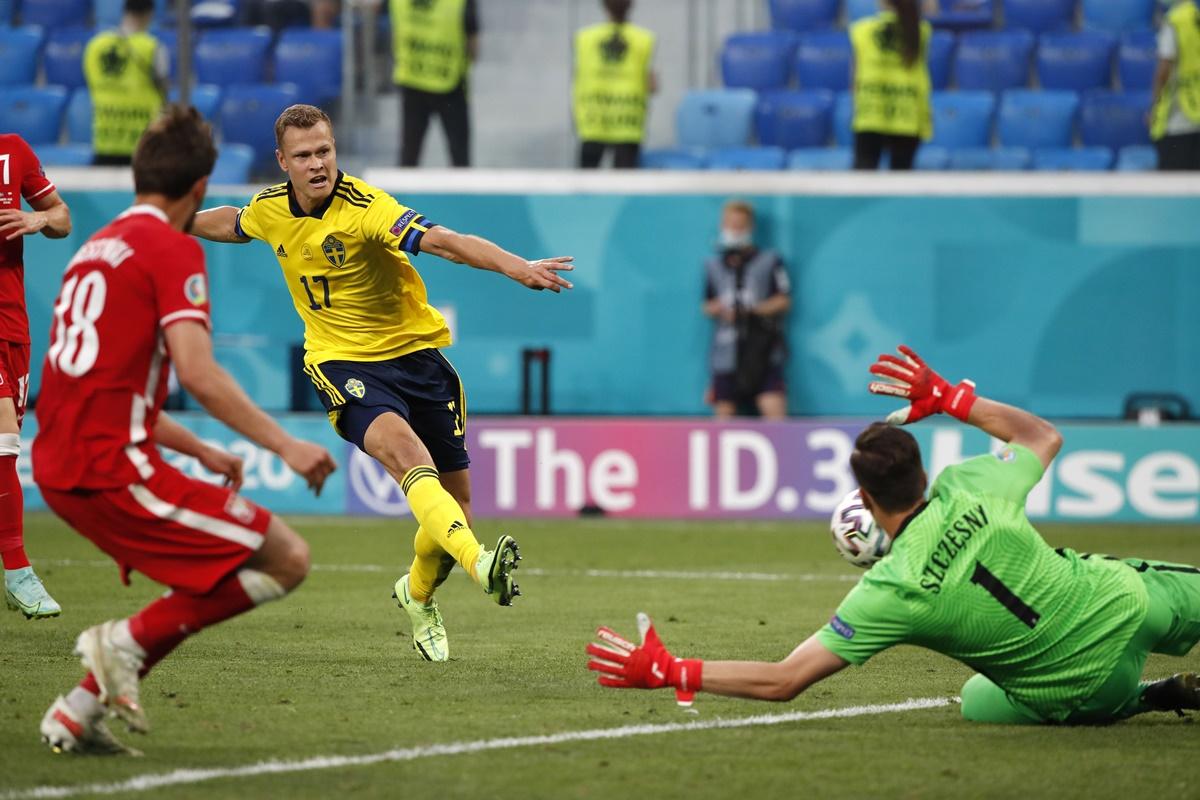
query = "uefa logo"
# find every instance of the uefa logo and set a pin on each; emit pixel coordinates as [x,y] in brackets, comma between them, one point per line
[374,487]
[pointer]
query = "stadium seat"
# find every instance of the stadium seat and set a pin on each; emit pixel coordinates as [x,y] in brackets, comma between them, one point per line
[715,118]
[988,159]
[794,119]
[6,13]
[1114,119]
[214,13]
[963,119]
[205,97]
[754,159]
[312,60]
[941,58]
[1083,159]
[821,159]
[1039,16]
[65,155]
[993,60]
[964,14]
[233,164]
[170,41]
[843,119]
[1075,61]
[756,60]
[235,55]
[36,114]
[823,61]
[1137,158]
[857,9]
[804,15]
[674,159]
[1037,119]
[79,117]
[19,48]
[931,158]
[107,13]
[63,57]
[1137,59]
[248,113]
[52,14]
[1118,15]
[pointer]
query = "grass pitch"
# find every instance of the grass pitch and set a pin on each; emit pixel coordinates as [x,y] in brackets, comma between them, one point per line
[330,671]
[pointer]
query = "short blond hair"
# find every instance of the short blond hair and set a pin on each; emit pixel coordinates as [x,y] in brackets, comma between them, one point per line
[740,206]
[299,116]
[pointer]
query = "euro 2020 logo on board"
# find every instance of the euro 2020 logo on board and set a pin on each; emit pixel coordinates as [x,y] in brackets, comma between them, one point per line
[372,488]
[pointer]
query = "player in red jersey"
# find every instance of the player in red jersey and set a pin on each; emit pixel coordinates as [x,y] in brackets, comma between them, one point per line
[20,176]
[134,300]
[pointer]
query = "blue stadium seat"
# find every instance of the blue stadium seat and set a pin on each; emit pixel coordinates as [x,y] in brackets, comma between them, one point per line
[312,59]
[993,60]
[248,113]
[757,60]
[79,117]
[823,61]
[235,55]
[1118,15]
[804,15]
[205,97]
[169,39]
[63,57]
[19,48]
[989,159]
[715,118]
[941,58]
[55,13]
[1137,59]
[107,13]
[843,119]
[964,14]
[234,162]
[1039,16]
[794,119]
[1114,119]
[821,159]
[931,158]
[1137,158]
[36,114]
[1037,119]
[1083,159]
[963,119]
[65,155]
[674,159]
[1075,61]
[6,13]
[753,159]
[857,9]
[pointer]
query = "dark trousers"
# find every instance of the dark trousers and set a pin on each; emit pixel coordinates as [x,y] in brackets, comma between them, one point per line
[625,155]
[869,147]
[1179,153]
[112,161]
[418,108]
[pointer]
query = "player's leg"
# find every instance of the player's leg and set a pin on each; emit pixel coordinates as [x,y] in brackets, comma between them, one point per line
[772,401]
[984,701]
[414,123]
[724,395]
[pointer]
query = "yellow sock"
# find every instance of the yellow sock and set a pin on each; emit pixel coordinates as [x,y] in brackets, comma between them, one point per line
[443,529]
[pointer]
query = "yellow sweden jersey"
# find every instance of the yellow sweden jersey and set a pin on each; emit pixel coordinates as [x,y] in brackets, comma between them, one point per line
[346,266]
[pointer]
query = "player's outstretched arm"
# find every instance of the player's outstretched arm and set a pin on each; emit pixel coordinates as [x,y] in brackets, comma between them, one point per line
[475,251]
[1017,426]
[218,225]
[220,395]
[173,436]
[50,216]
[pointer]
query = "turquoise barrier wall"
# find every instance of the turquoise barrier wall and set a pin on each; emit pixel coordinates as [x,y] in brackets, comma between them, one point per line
[1064,305]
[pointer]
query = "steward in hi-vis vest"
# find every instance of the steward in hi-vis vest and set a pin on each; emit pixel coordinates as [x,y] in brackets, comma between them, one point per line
[1175,119]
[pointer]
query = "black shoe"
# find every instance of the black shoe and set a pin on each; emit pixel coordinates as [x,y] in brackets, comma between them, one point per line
[1176,693]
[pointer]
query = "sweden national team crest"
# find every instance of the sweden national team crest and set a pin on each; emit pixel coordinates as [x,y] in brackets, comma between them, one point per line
[355,387]
[334,250]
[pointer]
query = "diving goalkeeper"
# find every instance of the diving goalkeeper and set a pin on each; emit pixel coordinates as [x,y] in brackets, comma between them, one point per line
[1056,637]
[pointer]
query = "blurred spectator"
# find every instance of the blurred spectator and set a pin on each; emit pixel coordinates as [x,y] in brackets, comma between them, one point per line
[277,14]
[1175,119]
[126,71]
[747,293]
[614,78]
[891,85]
[434,43]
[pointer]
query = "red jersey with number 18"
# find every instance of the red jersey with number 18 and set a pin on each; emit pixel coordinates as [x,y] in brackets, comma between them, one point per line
[105,375]
[20,176]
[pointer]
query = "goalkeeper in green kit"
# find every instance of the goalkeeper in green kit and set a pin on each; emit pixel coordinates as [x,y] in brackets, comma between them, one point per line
[1056,637]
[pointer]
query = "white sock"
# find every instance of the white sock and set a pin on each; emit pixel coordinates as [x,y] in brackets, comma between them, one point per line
[85,704]
[123,639]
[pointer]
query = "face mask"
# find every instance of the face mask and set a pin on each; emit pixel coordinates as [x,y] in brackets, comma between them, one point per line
[735,240]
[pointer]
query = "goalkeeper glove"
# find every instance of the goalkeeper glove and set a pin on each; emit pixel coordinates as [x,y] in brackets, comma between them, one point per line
[625,665]
[927,392]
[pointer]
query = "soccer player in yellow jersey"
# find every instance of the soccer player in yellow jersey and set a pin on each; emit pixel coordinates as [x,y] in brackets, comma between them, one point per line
[371,345]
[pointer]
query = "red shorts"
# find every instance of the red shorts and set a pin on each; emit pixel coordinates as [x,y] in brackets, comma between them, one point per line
[14,374]
[183,533]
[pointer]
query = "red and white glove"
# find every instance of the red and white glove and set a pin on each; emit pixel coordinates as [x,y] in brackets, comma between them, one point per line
[927,392]
[625,665]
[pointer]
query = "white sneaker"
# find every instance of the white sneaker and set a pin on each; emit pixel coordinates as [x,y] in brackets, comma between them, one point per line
[66,731]
[116,669]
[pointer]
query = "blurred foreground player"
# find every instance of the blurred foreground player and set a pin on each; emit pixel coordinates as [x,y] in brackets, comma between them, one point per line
[20,176]
[134,301]
[1056,637]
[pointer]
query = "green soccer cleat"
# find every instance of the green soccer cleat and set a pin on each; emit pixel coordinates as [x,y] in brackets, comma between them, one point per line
[494,570]
[65,730]
[1178,693]
[429,633]
[24,592]
[116,670]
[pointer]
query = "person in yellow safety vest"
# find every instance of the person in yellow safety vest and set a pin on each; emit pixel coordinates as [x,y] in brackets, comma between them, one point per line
[614,78]
[126,71]
[1175,115]
[433,45]
[891,85]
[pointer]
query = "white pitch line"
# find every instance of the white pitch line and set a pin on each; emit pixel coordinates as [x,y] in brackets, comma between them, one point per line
[179,777]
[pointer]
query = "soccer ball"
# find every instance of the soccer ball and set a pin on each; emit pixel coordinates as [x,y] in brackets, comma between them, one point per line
[855,534]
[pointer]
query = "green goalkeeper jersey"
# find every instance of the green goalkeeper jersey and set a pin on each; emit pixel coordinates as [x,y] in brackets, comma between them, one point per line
[968,576]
